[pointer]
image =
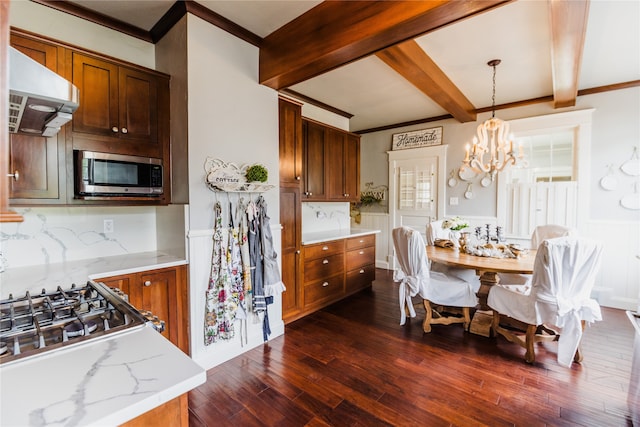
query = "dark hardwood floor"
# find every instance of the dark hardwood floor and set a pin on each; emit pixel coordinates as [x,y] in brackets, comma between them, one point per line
[352,364]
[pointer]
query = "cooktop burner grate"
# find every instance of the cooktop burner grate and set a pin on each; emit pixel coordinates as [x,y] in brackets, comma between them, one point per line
[30,325]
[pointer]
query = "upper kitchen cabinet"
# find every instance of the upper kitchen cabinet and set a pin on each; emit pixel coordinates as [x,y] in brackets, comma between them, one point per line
[35,162]
[123,109]
[290,128]
[332,163]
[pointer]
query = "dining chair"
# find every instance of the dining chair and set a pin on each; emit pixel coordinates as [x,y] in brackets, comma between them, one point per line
[435,231]
[564,273]
[522,282]
[446,299]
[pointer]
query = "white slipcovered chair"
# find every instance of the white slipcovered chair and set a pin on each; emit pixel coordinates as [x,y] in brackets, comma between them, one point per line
[522,282]
[441,294]
[564,273]
[435,231]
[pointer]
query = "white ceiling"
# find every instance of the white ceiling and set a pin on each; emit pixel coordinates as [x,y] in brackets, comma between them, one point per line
[518,34]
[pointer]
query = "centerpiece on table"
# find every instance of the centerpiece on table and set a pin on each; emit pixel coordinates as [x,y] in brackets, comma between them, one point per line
[455,225]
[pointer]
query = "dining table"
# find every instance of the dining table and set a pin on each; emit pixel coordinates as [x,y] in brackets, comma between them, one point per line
[487,268]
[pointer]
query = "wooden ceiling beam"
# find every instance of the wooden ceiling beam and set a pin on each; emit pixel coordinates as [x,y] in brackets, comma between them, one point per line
[568,29]
[411,62]
[335,33]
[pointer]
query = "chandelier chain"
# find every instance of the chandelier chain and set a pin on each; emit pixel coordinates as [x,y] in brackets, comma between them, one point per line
[493,97]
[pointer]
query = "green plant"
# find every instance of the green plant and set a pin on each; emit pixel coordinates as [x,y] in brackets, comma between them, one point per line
[367,200]
[257,173]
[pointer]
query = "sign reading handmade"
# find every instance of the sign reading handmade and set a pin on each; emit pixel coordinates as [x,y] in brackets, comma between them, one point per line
[222,176]
[416,139]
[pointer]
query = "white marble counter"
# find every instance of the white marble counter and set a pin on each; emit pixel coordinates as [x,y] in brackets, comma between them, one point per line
[102,382]
[325,236]
[48,276]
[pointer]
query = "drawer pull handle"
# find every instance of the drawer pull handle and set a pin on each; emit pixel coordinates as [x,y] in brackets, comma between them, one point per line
[361,240]
[114,129]
[124,130]
[298,178]
[147,283]
[325,248]
[325,261]
[15,175]
[361,252]
[362,271]
[325,284]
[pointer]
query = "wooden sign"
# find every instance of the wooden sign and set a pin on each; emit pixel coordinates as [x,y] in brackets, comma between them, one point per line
[416,139]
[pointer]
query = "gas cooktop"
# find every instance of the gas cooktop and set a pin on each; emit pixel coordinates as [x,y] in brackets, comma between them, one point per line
[33,324]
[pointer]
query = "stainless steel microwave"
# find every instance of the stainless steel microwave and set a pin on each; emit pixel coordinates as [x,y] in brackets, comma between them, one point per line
[104,174]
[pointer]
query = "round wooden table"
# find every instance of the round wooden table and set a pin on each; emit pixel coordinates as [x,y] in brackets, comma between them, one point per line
[487,268]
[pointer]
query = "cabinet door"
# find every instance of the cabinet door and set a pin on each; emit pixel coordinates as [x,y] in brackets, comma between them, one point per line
[97,81]
[138,106]
[36,159]
[290,128]
[352,168]
[334,164]
[314,161]
[290,219]
[157,290]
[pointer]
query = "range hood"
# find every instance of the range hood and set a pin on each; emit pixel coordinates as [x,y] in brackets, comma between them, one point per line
[40,101]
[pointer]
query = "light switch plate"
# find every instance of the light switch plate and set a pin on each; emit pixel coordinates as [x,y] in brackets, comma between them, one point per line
[453,201]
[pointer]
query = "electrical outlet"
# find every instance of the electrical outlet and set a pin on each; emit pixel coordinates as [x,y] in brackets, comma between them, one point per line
[453,201]
[108,226]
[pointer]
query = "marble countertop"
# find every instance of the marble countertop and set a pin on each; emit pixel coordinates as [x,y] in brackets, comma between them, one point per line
[35,278]
[101,382]
[325,236]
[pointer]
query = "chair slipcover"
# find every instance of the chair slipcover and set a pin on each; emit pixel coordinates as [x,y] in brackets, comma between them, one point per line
[435,231]
[564,273]
[522,282]
[416,279]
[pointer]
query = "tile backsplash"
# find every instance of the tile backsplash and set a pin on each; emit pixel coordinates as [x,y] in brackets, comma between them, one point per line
[59,234]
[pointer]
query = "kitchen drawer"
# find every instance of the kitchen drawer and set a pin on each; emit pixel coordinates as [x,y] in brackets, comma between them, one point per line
[323,290]
[361,241]
[360,278]
[323,249]
[326,266]
[359,257]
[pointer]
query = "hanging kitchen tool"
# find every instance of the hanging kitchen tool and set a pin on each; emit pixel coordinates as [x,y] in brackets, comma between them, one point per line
[452,180]
[469,193]
[609,182]
[486,181]
[632,166]
[631,201]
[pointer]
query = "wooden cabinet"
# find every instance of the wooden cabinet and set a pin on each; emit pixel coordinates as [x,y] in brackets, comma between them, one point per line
[37,163]
[360,262]
[174,413]
[331,163]
[162,292]
[124,109]
[290,131]
[120,107]
[333,270]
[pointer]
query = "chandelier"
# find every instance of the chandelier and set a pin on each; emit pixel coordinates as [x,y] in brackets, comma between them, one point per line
[492,148]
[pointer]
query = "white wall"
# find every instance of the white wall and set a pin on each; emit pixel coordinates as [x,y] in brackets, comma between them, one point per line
[235,119]
[615,131]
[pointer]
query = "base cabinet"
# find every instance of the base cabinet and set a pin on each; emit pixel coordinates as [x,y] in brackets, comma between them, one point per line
[333,270]
[162,292]
[174,413]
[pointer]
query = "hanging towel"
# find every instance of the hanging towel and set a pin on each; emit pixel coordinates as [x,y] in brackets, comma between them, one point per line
[255,255]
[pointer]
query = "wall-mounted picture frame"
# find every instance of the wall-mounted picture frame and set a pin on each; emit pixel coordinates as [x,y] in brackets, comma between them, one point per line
[417,138]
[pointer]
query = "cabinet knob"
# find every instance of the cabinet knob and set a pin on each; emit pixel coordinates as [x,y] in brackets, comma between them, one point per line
[346,194]
[361,252]
[325,261]
[124,130]
[115,129]
[15,175]
[147,283]
[362,271]
[298,178]
[325,248]
[325,284]
[298,252]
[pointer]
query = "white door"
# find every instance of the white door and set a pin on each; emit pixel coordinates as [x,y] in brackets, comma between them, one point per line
[416,179]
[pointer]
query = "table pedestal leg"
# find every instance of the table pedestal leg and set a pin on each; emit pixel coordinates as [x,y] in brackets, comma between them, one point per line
[482,318]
